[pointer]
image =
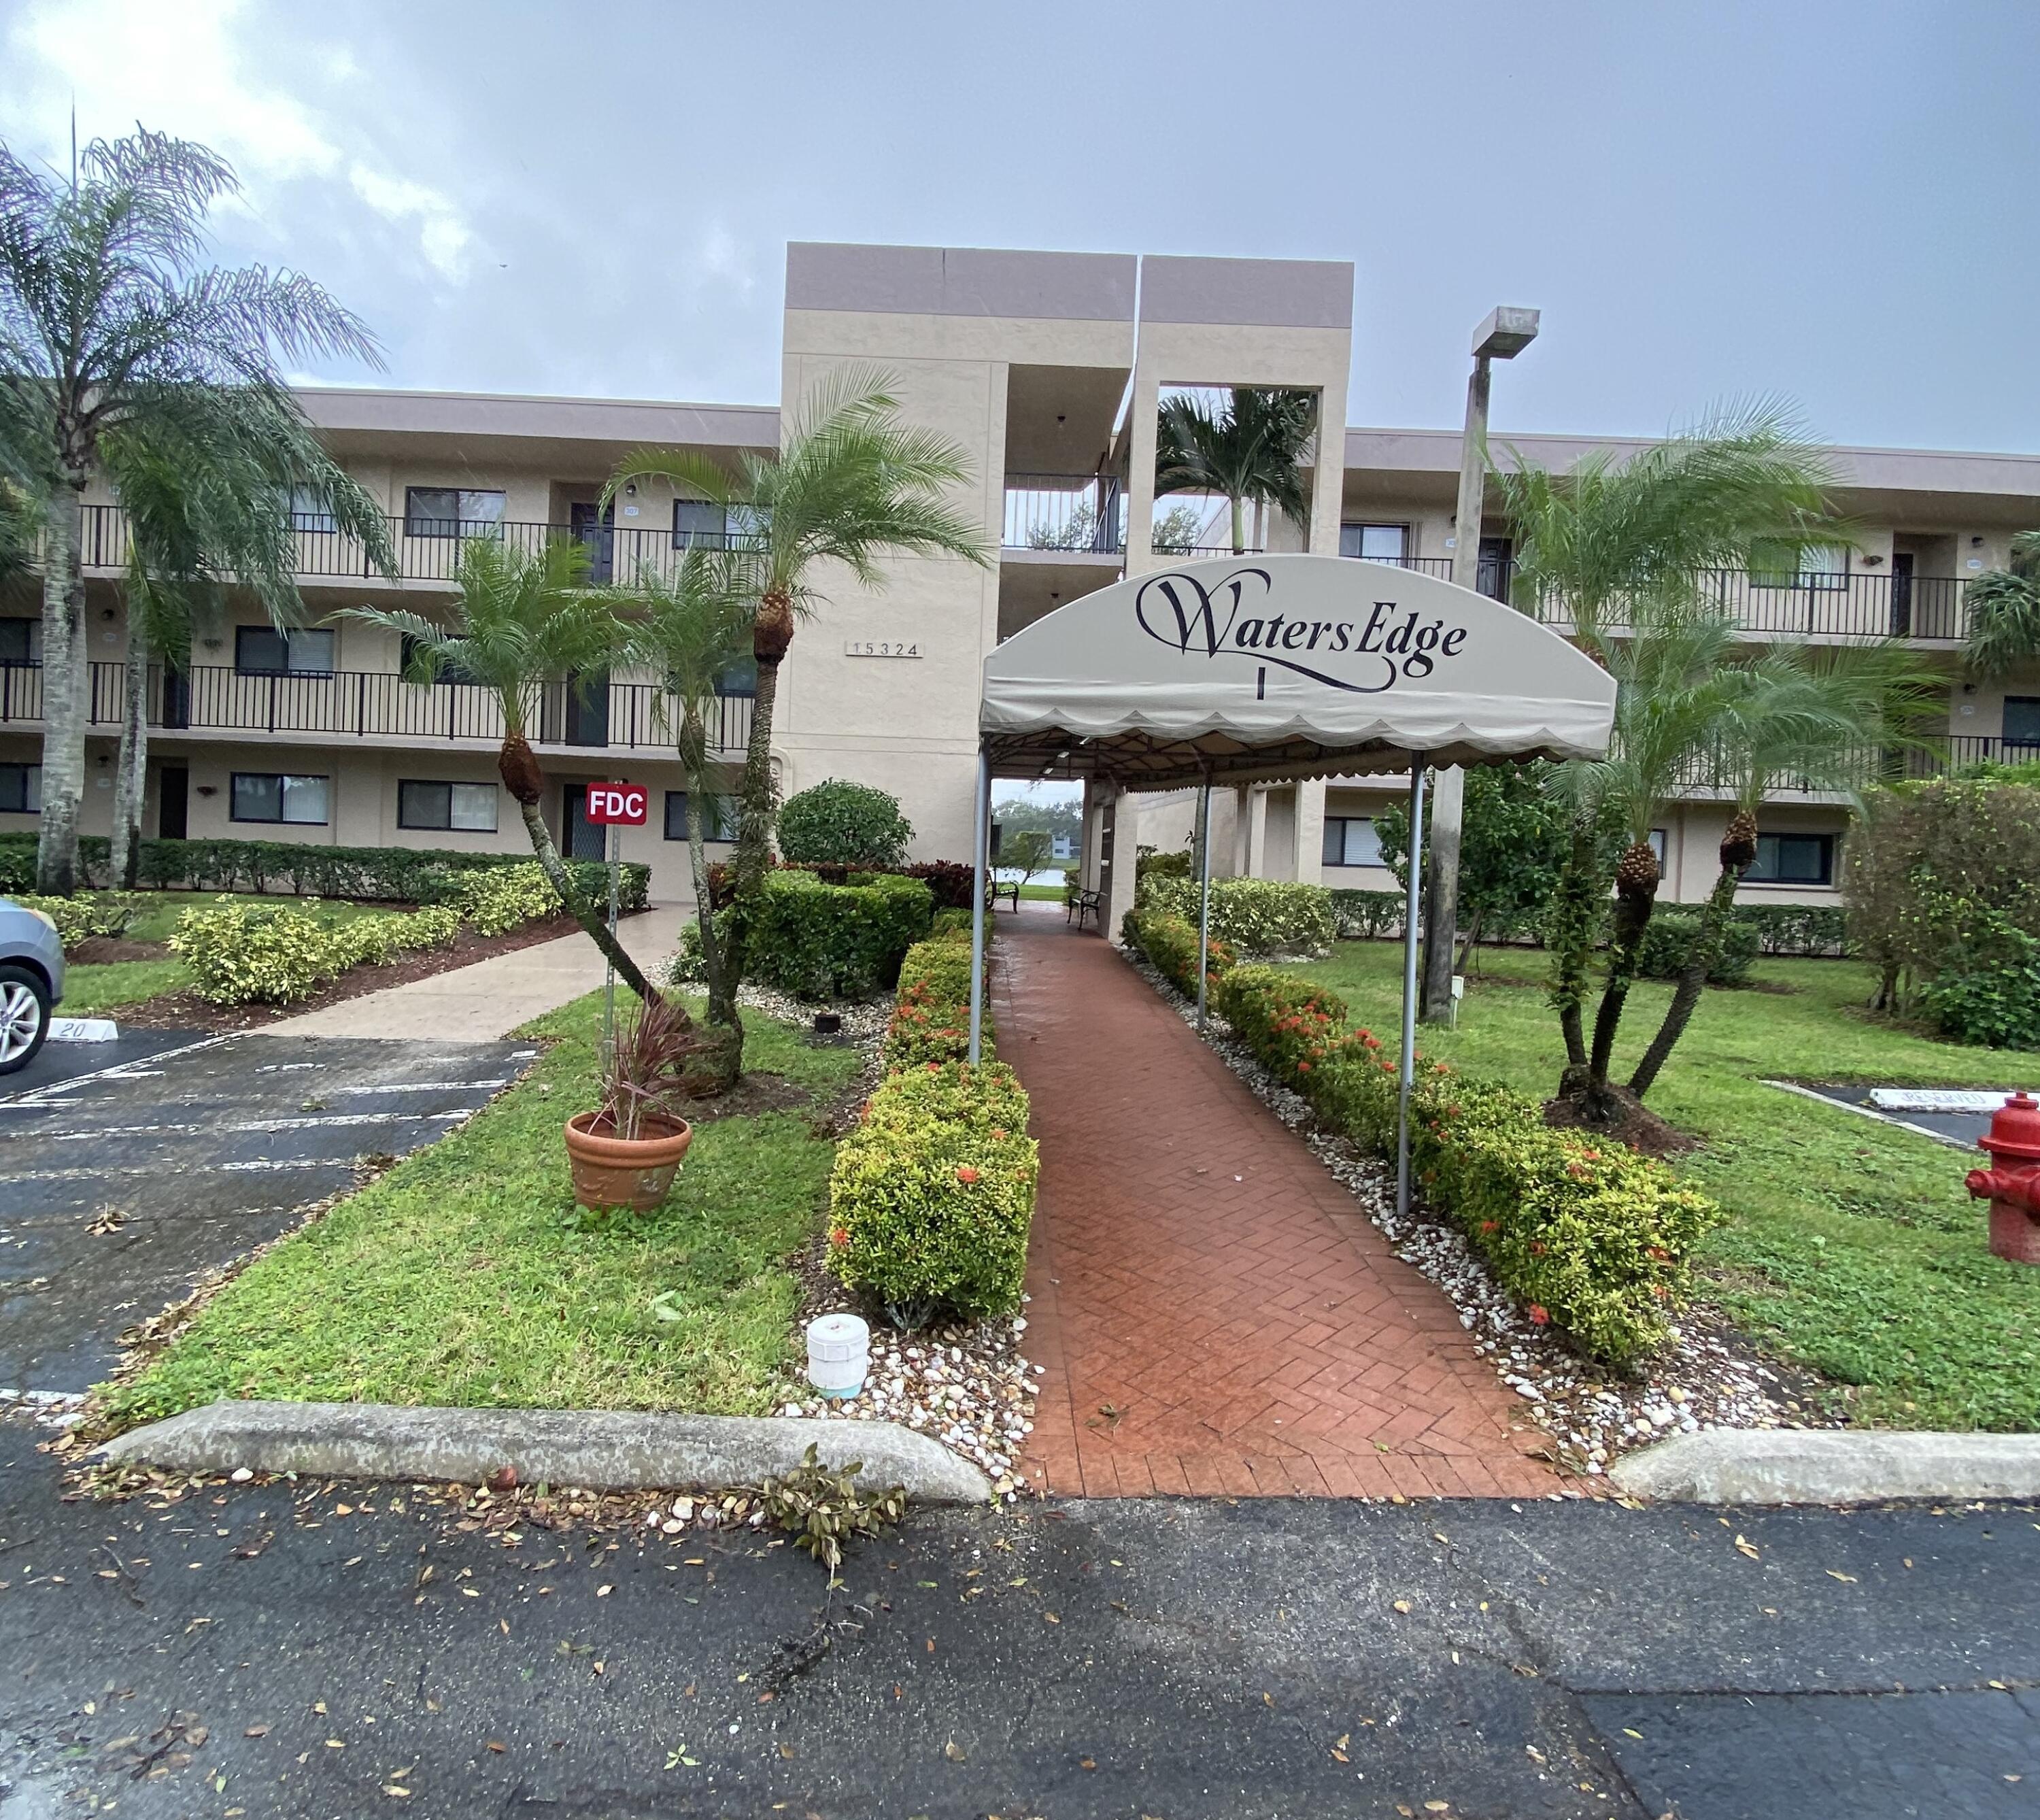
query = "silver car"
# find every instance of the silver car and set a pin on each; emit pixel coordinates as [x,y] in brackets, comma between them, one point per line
[32,979]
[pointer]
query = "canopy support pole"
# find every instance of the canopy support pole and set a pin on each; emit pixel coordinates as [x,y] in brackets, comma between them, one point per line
[980,859]
[1411,905]
[1203,894]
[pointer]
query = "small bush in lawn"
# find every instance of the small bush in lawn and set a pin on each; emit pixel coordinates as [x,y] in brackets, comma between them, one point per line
[1170,945]
[105,913]
[1987,988]
[264,953]
[1255,915]
[835,941]
[1360,915]
[932,1195]
[1669,940]
[838,823]
[1584,1234]
[931,1016]
[502,898]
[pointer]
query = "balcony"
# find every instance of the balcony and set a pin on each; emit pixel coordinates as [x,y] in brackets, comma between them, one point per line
[1949,752]
[375,704]
[427,551]
[1080,514]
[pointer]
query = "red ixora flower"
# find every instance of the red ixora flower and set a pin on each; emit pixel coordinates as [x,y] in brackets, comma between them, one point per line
[837,1237]
[999,1134]
[1490,1225]
[1539,1315]
[965,1174]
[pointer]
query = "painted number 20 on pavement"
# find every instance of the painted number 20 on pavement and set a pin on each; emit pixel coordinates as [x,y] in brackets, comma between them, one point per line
[621,803]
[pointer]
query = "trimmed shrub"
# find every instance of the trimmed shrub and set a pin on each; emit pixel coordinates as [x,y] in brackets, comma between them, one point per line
[1255,915]
[840,823]
[1587,1235]
[290,868]
[267,953]
[1149,864]
[1988,988]
[1366,915]
[956,921]
[931,1016]
[79,919]
[1813,931]
[501,898]
[1669,940]
[822,941]
[932,1197]
[1170,945]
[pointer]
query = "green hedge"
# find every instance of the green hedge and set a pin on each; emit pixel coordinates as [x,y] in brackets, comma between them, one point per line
[79,919]
[931,1016]
[822,941]
[275,954]
[932,1197]
[1668,943]
[1255,915]
[1813,931]
[1169,944]
[1586,1234]
[289,868]
[1366,915]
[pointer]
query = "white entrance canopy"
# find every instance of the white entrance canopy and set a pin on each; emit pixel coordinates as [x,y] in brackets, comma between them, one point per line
[1246,668]
[1269,667]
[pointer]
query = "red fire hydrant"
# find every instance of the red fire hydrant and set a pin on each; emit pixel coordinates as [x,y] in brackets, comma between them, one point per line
[2012,1184]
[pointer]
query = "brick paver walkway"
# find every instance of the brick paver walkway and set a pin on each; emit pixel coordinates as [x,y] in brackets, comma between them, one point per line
[1215,1313]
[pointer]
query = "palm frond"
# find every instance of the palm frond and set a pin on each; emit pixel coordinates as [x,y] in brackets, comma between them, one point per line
[2003,609]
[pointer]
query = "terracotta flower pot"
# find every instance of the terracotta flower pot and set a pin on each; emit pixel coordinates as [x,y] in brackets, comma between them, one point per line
[633,1172]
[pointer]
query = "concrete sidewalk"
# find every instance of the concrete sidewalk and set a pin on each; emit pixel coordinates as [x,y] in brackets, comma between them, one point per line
[483,1003]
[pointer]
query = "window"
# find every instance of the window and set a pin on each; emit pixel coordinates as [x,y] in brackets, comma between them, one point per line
[21,640]
[741,679]
[263,651]
[470,807]
[1376,542]
[2022,720]
[21,789]
[713,527]
[719,817]
[264,796]
[447,673]
[1661,845]
[451,512]
[1777,562]
[308,511]
[1793,859]
[1350,840]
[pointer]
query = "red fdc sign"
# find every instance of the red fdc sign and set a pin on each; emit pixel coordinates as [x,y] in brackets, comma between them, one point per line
[609,803]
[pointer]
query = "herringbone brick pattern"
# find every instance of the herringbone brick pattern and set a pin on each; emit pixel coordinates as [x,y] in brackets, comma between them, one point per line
[1216,1315]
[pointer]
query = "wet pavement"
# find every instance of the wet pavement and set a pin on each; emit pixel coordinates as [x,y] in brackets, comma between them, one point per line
[128,1170]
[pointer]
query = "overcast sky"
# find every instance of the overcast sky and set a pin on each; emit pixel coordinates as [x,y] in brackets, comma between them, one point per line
[1834,202]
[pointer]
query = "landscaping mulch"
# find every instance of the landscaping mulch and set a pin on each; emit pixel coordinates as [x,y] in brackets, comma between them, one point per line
[1633,1124]
[107,950]
[186,1011]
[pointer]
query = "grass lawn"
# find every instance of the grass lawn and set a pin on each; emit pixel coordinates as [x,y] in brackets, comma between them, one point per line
[465,1276]
[1852,1246]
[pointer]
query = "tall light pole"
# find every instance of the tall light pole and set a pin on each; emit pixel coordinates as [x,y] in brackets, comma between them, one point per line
[1504,334]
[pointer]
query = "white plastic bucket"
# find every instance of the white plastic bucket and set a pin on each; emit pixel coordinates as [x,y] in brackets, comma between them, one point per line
[839,1354]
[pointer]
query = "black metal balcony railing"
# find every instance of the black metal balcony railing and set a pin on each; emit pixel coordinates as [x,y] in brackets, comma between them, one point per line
[368,704]
[428,549]
[1085,514]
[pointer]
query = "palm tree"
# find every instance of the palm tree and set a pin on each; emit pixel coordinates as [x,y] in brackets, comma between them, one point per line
[209,498]
[690,631]
[1252,449]
[852,482]
[1819,716]
[110,328]
[2004,613]
[524,621]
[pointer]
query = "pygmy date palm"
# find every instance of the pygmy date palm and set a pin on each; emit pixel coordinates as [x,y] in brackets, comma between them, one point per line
[523,621]
[1251,451]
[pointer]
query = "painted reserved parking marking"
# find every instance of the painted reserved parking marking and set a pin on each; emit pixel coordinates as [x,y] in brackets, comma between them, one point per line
[459,1114]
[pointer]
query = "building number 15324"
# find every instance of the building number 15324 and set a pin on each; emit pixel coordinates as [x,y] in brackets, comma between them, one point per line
[882,647]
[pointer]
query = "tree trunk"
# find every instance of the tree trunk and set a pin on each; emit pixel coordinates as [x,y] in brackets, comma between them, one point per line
[772,633]
[723,1048]
[589,918]
[1239,526]
[1571,928]
[1738,853]
[130,775]
[1472,941]
[66,699]
[1636,895]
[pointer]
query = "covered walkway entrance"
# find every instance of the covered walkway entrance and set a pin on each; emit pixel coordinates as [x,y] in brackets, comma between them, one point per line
[1216,1313]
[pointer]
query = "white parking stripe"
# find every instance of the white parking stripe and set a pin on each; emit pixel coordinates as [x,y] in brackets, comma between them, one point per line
[261,1166]
[418,1086]
[268,1124]
[114,1070]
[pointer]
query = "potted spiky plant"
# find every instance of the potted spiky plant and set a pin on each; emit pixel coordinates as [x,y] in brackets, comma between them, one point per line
[625,1152]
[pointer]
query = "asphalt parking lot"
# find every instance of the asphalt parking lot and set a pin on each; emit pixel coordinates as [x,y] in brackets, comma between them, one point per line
[129,1169]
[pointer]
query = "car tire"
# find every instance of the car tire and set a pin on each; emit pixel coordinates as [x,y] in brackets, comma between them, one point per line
[24,1016]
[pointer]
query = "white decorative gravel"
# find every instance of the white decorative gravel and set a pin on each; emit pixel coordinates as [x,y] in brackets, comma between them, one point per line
[1705,1376]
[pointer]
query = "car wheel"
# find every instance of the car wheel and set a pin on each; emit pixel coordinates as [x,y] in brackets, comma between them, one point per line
[24,1016]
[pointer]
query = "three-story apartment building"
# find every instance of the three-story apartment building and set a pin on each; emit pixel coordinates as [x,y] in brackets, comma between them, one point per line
[1047,368]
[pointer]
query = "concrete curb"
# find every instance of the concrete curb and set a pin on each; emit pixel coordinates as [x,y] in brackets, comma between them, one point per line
[600,1450]
[1831,1466]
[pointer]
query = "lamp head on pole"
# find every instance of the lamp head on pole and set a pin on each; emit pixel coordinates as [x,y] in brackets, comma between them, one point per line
[1505,332]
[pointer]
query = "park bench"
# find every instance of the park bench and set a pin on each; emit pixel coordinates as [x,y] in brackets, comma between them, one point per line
[1082,904]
